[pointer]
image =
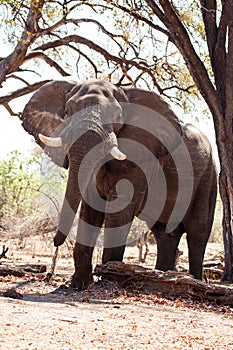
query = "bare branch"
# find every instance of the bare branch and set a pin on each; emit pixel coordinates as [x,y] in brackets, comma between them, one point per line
[101,27]
[48,60]
[90,44]
[13,76]
[10,111]
[87,58]
[136,15]
[21,92]
[51,29]
[126,74]
[187,89]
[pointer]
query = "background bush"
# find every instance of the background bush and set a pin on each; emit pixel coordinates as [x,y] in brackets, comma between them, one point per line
[19,184]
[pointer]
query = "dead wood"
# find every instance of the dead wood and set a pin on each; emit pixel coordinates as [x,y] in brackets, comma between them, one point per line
[22,270]
[213,273]
[215,263]
[4,251]
[11,271]
[11,293]
[167,284]
[34,268]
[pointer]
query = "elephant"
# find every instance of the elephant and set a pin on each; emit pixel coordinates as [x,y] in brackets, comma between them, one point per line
[127,155]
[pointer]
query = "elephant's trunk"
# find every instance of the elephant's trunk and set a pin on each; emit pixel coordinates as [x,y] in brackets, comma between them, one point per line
[88,144]
[69,208]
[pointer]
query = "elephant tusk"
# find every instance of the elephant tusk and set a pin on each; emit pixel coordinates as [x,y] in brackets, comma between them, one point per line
[117,154]
[51,141]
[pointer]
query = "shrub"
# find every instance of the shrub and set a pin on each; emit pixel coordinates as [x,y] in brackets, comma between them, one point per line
[19,182]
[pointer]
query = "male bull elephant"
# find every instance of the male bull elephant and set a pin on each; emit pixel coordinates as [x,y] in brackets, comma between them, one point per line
[128,155]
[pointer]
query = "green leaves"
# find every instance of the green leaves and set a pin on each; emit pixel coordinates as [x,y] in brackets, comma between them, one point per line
[19,180]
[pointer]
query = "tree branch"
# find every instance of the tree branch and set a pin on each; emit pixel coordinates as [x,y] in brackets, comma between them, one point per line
[10,111]
[219,56]
[91,45]
[13,76]
[12,62]
[21,92]
[101,27]
[48,60]
[196,67]
[136,15]
[208,10]
[87,58]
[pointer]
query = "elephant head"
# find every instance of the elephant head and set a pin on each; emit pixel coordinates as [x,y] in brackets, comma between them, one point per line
[72,119]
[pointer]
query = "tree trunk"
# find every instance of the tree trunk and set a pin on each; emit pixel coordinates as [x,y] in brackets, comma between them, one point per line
[226,153]
[225,186]
[223,129]
[218,96]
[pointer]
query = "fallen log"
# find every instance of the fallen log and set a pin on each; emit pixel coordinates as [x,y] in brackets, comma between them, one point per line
[167,284]
[11,271]
[22,270]
[11,293]
[212,273]
[217,264]
[32,268]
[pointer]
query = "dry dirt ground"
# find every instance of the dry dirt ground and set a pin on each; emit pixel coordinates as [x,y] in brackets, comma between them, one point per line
[103,317]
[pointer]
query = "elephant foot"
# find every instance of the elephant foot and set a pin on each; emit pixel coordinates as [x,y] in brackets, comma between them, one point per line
[80,282]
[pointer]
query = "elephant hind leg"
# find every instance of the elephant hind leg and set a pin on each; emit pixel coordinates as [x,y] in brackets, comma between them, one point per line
[198,233]
[167,244]
[198,227]
[196,248]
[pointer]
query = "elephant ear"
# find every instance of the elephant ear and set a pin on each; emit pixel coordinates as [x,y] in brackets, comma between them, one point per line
[150,100]
[158,118]
[44,114]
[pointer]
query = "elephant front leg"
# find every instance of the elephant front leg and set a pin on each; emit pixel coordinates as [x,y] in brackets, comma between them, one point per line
[90,223]
[114,243]
[167,244]
[117,226]
[82,277]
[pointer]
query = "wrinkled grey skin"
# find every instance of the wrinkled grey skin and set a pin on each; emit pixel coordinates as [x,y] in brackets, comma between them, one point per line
[50,108]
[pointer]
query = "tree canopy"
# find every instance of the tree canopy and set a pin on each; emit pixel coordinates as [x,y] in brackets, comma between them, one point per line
[119,41]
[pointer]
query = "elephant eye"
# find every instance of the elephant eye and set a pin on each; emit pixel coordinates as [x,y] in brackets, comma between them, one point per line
[83,91]
[106,93]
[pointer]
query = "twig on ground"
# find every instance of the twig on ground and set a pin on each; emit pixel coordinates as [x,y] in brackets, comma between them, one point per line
[49,274]
[4,251]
